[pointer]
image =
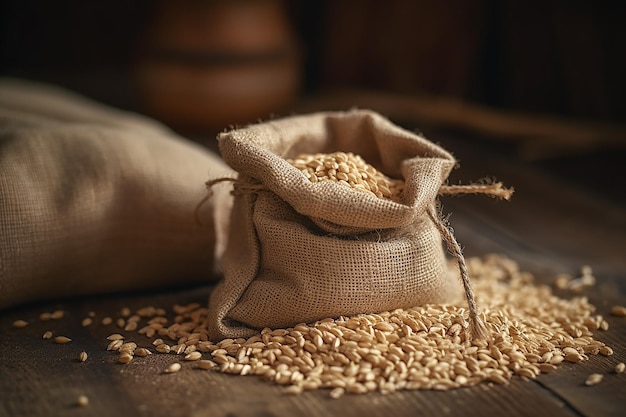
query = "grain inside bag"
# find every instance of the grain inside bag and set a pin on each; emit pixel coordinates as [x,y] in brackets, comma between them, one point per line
[301,251]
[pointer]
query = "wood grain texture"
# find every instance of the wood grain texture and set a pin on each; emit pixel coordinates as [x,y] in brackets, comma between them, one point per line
[549,227]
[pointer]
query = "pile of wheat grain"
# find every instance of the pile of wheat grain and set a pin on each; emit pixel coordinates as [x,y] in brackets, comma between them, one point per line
[427,347]
[350,170]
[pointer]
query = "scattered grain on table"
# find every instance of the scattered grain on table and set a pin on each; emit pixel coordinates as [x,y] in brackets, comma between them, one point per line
[336,393]
[173,368]
[594,379]
[585,280]
[128,347]
[562,280]
[62,340]
[619,368]
[427,347]
[193,356]
[82,401]
[618,311]
[163,348]
[130,326]
[115,345]
[20,323]
[206,364]
[293,389]
[142,352]
[57,315]
[125,357]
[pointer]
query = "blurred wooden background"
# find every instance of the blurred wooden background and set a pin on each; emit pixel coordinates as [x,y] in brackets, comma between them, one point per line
[556,56]
[546,78]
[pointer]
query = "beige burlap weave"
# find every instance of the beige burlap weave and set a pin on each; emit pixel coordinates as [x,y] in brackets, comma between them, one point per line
[301,251]
[96,200]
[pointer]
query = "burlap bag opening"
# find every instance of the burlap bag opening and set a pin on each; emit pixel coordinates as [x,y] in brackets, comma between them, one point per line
[300,251]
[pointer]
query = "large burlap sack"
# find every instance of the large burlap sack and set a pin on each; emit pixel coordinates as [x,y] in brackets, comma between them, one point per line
[300,251]
[95,200]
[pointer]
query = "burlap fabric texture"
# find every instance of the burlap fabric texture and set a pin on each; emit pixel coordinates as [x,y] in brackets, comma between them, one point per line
[300,251]
[96,200]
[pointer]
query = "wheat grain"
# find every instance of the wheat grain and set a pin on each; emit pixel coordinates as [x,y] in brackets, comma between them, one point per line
[163,348]
[128,347]
[193,356]
[57,315]
[143,352]
[115,345]
[594,379]
[619,311]
[125,357]
[130,326]
[82,401]
[206,364]
[337,392]
[173,368]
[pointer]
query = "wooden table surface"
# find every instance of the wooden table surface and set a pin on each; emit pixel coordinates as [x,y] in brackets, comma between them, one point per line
[551,225]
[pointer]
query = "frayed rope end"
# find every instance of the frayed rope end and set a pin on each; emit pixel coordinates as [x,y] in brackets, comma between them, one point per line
[478,330]
[496,190]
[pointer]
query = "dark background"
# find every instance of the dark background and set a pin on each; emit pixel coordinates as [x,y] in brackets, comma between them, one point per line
[562,59]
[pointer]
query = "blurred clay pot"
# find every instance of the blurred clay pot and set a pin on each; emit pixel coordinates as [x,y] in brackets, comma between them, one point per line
[203,66]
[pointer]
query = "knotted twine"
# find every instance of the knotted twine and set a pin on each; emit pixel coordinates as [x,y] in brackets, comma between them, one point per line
[300,251]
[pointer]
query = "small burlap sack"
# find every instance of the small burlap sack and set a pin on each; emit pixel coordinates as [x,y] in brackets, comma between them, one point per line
[301,251]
